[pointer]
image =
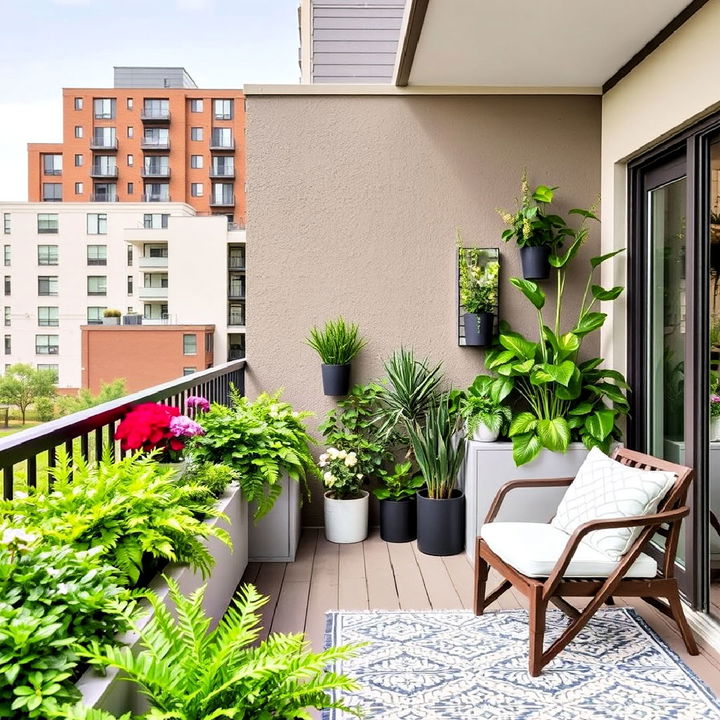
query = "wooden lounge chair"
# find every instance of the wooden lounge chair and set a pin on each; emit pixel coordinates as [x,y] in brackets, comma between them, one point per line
[548,565]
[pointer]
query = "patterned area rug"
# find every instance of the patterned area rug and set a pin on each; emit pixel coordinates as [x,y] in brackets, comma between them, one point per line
[455,666]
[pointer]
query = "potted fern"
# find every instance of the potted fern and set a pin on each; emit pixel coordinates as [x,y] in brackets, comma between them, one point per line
[439,449]
[337,344]
[485,415]
[478,294]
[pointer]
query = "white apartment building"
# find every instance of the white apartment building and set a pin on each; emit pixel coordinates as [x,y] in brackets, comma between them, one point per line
[65,263]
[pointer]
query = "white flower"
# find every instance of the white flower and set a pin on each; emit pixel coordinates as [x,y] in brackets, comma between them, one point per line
[322,463]
[323,458]
[332,452]
[17,536]
[351,460]
[342,455]
[20,495]
[359,476]
[329,479]
[63,589]
[53,572]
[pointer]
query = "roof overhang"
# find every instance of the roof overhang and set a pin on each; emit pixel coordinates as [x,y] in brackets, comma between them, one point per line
[556,44]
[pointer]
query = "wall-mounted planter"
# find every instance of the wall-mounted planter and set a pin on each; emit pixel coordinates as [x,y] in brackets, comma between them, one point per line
[275,537]
[535,262]
[488,466]
[479,329]
[113,694]
[336,379]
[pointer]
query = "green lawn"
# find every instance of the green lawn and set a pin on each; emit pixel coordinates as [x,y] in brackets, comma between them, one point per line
[16,426]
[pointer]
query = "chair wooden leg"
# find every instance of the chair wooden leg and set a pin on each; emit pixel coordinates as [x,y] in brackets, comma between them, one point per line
[538,610]
[481,575]
[678,614]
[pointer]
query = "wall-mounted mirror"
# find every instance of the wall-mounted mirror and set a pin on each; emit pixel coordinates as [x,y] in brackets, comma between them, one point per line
[478,274]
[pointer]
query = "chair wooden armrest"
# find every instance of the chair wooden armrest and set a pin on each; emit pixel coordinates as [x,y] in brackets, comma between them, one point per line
[513,484]
[656,519]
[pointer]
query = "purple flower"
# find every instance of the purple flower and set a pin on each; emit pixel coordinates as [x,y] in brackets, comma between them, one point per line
[715,398]
[183,426]
[198,402]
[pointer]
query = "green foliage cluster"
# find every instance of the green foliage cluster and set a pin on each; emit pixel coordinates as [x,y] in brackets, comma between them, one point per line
[133,510]
[190,672]
[209,475]
[483,404]
[23,385]
[260,441]
[337,343]
[399,484]
[55,600]
[84,399]
[479,278]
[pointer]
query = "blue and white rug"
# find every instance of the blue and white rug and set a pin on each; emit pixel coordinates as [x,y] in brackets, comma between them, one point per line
[455,666]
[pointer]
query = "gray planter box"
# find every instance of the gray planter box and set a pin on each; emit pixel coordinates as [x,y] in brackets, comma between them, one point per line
[109,692]
[275,537]
[111,321]
[488,466]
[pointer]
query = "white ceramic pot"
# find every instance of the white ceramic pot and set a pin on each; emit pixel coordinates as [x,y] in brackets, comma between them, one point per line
[715,428]
[346,521]
[484,434]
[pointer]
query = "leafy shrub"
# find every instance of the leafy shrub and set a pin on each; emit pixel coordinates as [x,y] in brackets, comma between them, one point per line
[215,478]
[44,409]
[400,484]
[260,441]
[133,509]
[54,601]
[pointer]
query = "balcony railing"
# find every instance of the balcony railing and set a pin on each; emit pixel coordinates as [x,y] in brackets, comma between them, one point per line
[219,173]
[151,115]
[103,172]
[226,201]
[91,432]
[103,144]
[154,197]
[155,144]
[236,320]
[222,146]
[102,197]
[155,172]
[152,262]
[152,293]
[236,263]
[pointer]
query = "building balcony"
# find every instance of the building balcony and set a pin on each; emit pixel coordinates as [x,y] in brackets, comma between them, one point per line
[152,263]
[102,197]
[152,293]
[153,197]
[236,293]
[222,202]
[103,172]
[163,172]
[155,116]
[152,144]
[221,173]
[236,264]
[222,147]
[105,145]
[146,235]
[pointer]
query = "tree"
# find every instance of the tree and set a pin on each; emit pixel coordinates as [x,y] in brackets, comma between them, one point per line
[22,385]
[85,399]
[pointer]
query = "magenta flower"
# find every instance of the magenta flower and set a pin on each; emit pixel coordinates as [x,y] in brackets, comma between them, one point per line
[183,426]
[198,403]
[715,398]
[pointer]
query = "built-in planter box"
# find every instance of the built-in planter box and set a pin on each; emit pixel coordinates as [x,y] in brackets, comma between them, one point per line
[109,692]
[488,466]
[275,537]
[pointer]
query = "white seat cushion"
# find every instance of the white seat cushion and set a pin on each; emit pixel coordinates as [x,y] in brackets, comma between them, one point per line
[605,488]
[534,548]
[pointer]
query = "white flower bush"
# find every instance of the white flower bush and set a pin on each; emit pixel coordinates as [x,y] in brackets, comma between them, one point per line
[339,478]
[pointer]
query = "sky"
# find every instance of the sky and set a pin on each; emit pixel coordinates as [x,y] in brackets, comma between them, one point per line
[51,44]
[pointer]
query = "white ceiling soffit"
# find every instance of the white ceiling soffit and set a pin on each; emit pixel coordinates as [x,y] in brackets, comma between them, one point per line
[554,43]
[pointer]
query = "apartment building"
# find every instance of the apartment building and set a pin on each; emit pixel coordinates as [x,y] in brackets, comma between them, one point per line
[65,263]
[153,137]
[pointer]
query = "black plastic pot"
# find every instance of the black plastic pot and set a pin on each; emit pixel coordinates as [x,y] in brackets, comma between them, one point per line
[535,265]
[336,379]
[398,520]
[441,524]
[479,329]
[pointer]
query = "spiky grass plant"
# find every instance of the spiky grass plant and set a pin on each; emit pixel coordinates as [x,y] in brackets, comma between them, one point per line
[190,672]
[337,343]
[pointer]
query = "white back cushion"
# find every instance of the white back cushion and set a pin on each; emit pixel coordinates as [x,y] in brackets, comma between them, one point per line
[604,488]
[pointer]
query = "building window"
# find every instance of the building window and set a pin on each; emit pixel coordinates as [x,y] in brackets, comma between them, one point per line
[78,103]
[156,138]
[7,250]
[130,160]
[222,194]
[196,189]
[189,344]
[97,254]
[104,108]
[189,370]
[8,285]
[52,164]
[8,318]
[208,342]
[157,192]
[8,344]
[51,367]
[47,254]
[78,131]
[47,344]
[79,160]
[47,285]
[47,223]
[130,131]
[155,221]
[196,161]
[52,192]
[157,165]
[97,285]
[129,284]
[6,223]
[129,255]
[95,315]
[196,133]
[130,188]
[48,316]
[104,137]
[223,166]
[129,103]
[156,108]
[105,166]
[223,109]
[196,105]
[79,188]
[105,192]
[155,251]
[97,224]
[222,137]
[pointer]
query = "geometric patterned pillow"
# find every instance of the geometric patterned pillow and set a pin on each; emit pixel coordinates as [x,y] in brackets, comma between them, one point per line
[605,488]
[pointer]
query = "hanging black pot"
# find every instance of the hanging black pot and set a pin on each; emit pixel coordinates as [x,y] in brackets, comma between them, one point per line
[441,524]
[535,262]
[398,520]
[479,329]
[336,379]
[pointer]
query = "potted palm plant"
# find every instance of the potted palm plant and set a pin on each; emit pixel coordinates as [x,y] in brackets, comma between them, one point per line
[478,294]
[439,449]
[337,344]
[346,503]
[398,506]
[485,415]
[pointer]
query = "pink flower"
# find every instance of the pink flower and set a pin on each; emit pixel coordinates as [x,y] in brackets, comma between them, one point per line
[198,403]
[183,426]
[715,398]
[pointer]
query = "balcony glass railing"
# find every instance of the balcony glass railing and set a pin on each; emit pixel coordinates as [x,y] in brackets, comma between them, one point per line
[154,143]
[155,114]
[103,143]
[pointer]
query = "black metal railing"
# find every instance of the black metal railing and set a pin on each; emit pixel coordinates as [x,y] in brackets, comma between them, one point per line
[92,432]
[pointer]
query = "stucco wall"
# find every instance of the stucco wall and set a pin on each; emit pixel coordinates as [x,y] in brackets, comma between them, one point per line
[352,208]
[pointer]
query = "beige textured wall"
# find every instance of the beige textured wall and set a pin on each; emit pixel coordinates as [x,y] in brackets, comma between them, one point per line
[352,208]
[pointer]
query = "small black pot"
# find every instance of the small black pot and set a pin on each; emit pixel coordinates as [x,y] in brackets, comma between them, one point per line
[535,265]
[479,329]
[441,524]
[336,379]
[398,520]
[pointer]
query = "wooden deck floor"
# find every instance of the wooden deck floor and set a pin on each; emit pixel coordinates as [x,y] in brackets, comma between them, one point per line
[385,576]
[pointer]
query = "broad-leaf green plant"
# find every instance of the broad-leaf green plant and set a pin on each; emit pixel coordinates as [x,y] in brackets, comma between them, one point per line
[399,484]
[483,404]
[337,343]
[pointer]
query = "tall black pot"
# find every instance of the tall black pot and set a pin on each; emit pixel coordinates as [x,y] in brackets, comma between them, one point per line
[441,524]
[336,379]
[535,262]
[479,329]
[398,520]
